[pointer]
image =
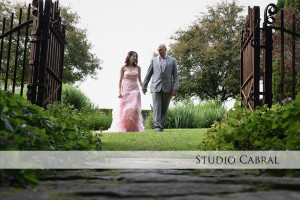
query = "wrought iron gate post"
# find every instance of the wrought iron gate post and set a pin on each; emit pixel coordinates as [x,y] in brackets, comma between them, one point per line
[35,52]
[267,89]
[45,20]
[269,19]
[256,61]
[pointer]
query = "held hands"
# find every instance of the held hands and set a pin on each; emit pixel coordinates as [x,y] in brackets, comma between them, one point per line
[174,92]
[120,95]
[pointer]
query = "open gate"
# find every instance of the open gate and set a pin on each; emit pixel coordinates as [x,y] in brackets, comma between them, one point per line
[250,58]
[252,43]
[46,53]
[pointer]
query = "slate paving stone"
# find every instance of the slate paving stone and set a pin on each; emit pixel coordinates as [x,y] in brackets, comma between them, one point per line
[158,184]
[258,195]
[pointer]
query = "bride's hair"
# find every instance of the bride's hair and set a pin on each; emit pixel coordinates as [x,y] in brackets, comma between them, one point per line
[130,53]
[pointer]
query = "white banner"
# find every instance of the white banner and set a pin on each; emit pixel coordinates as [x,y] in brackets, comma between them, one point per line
[149,159]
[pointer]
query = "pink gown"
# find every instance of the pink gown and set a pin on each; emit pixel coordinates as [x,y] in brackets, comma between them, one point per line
[128,118]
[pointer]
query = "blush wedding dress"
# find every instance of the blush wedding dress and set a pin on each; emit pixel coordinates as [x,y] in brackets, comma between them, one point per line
[128,117]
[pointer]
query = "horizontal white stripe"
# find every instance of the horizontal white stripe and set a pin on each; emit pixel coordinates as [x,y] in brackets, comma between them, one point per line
[149,159]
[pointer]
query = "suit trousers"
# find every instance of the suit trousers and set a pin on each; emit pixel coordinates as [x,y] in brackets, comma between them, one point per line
[161,101]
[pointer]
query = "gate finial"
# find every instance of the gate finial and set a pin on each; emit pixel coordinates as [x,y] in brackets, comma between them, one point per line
[270,11]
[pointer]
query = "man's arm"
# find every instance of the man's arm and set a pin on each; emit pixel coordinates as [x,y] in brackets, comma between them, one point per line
[147,77]
[175,76]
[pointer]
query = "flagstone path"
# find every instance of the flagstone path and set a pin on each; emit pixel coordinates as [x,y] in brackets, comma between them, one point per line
[158,184]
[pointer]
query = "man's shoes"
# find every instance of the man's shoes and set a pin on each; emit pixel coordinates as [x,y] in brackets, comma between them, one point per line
[158,130]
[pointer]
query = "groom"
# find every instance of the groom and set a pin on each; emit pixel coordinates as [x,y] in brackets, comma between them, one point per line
[164,85]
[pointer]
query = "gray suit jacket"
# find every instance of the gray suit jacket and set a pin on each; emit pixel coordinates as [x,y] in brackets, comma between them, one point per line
[166,80]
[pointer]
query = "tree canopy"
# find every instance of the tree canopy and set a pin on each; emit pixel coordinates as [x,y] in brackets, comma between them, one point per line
[79,60]
[288,3]
[207,53]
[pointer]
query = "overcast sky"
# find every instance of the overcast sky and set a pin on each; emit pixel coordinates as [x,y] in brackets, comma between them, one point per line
[118,26]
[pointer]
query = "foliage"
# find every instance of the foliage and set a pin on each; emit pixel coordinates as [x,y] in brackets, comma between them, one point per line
[79,60]
[97,120]
[181,116]
[107,111]
[145,114]
[93,117]
[149,121]
[187,115]
[208,53]
[18,178]
[276,74]
[277,128]
[73,96]
[28,127]
[24,126]
[208,112]
[281,4]
[288,12]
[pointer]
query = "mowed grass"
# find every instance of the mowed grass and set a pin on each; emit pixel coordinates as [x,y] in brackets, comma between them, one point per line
[168,140]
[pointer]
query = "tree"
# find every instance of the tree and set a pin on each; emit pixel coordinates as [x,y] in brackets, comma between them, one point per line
[79,61]
[281,4]
[6,9]
[208,53]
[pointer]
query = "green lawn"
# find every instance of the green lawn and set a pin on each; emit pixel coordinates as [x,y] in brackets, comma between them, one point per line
[168,140]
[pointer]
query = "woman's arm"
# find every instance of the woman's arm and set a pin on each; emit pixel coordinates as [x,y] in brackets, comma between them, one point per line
[120,81]
[139,76]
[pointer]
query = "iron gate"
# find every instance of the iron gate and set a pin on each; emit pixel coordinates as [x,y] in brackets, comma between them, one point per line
[251,45]
[250,58]
[46,53]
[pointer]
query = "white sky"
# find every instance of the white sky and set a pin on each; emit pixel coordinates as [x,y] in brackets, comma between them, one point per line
[118,26]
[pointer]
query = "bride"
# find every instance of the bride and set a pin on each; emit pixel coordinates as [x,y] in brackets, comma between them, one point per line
[128,116]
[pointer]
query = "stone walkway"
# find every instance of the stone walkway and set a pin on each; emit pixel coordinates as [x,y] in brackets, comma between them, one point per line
[158,184]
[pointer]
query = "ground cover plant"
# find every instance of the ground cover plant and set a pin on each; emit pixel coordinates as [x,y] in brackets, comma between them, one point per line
[275,128]
[24,126]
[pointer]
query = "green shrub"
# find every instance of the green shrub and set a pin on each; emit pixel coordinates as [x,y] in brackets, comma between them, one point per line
[146,113]
[18,91]
[93,117]
[24,126]
[149,121]
[188,115]
[97,120]
[277,128]
[207,112]
[107,111]
[73,96]
[181,116]
[17,88]
[28,127]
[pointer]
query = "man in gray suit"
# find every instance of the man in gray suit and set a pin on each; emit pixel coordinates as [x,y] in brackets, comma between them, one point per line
[164,85]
